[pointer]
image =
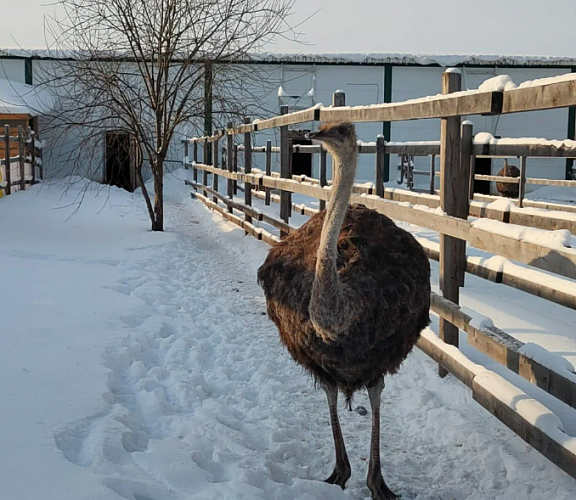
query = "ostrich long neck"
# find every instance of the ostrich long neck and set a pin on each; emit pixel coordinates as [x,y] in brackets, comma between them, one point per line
[329,309]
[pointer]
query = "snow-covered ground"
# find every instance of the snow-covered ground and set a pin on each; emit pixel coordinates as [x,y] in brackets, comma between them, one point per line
[141,366]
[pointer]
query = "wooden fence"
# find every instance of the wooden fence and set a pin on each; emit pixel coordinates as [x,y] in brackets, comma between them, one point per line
[457,150]
[20,161]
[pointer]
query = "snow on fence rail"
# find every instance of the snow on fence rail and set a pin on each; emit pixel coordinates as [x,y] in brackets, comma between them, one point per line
[538,248]
[16,172]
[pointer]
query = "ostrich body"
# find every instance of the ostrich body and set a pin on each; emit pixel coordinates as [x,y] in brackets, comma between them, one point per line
[504,188]
[350,293]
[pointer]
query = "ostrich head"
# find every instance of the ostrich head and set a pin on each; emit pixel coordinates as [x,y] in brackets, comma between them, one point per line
[338,138]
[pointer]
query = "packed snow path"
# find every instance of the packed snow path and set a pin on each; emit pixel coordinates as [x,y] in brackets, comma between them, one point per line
[201,401]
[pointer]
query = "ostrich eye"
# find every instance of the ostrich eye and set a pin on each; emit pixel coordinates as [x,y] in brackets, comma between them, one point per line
[341,131]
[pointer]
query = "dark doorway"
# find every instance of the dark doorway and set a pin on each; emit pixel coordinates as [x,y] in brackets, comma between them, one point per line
[302,162]
[118,161]
[483,166]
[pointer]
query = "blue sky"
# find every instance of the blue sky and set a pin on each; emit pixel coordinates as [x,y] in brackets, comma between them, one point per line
[511,27]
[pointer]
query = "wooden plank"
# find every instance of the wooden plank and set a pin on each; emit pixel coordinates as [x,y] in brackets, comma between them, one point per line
[558,261]
[497,178]
[8,188]
[247,167]
[551,182]
[513,148]
[453,185]
[268,169]
[546,96]
[547,445]
[505,349]
[469,103]
[285,171]
[380,157]
[535,437]
[446,361]
[306,115]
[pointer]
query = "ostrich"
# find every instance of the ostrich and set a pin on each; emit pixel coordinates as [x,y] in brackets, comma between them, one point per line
[350,293]
[504,188]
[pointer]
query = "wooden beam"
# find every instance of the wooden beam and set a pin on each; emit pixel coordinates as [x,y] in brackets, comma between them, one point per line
[285,170]
[380,158]
[545,96]
[453,200]
[522,183]
[469,103]
[505,349]
[554,260]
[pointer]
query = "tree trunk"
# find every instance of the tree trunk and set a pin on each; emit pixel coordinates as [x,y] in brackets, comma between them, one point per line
[158,171]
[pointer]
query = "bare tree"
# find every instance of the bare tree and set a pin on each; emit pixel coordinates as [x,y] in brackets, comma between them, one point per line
[142,67]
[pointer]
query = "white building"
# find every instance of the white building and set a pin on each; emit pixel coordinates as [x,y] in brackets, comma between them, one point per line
[301,81]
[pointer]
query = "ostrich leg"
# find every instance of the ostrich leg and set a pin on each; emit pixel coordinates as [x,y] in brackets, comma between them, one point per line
[342,470]
[375,481]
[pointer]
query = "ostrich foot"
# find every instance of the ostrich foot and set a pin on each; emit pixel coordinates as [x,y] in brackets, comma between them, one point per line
[339,476]
[378,487]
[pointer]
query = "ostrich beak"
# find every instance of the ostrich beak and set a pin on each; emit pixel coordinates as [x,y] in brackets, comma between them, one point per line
[313,135]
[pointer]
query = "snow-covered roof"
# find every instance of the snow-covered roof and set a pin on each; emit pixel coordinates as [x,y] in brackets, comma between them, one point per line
[362,58]
[21,98]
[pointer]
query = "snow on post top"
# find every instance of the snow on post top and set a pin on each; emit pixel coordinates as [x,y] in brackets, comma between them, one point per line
[453,70]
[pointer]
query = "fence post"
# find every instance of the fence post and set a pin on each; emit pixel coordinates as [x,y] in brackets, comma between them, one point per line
[206,161]
[432,188]
[453,186]
[380,160]
[247,168]
[235,168]
[195,160]
[186,154]
[21,158]
[285,171]
[268,170]
[230,162]
[323,181]
[215,165]
[32,150]
[8,187]
[472,179]
[339,98]
[522,184]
